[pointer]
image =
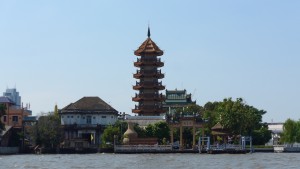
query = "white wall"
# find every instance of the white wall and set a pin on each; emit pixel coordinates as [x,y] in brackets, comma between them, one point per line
[103,119]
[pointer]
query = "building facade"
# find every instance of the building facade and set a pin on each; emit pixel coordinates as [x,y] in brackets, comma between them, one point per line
[177,99]
[84,121]
[13,95]
[14,114]
[148,74]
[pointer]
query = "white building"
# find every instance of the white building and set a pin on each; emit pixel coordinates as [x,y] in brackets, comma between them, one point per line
[276,129]
[84,121]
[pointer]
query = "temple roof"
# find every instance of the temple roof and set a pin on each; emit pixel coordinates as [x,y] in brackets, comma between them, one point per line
[148,47]
[89,104]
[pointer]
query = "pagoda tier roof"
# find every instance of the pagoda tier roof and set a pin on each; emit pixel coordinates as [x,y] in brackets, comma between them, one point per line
[148,47]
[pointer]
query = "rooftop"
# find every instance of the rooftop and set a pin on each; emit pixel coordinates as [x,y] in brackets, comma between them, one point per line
[89,104]
[148,47]
[4,99]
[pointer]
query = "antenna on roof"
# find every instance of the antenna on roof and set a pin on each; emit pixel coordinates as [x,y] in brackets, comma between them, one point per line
[148,31]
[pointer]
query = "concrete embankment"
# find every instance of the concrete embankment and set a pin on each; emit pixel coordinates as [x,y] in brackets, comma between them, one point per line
[9,150]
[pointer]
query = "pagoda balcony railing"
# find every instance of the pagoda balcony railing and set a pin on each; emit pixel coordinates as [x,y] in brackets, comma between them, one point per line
[155,85]
[152,62]
[148,96]
[149,107]
[149,73]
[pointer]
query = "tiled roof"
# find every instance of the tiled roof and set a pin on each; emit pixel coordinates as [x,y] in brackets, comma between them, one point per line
[89,104]
[6,129]
[218,126]
[148,47]
[4,99]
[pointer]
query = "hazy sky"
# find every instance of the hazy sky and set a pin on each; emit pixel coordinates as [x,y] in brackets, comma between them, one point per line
[59,51]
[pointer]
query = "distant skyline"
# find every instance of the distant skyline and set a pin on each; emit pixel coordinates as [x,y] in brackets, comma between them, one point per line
[56,52]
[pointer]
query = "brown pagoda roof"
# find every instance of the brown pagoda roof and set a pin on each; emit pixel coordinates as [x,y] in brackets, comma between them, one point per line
[218,126]
[88,104]
[148,47]
[218,129]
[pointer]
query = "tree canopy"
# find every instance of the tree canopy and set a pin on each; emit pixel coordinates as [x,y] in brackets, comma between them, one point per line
[2,113]
[291,131]
[239,117]
[47,131]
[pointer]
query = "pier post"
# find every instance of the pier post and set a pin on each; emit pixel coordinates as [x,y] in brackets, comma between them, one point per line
[172,137]
[181,145]
[194,137]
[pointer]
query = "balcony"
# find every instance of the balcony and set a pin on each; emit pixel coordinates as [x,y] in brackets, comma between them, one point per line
[148,85]
[148,97]
[144,62]
[148,109]
[148,73]
[83,126]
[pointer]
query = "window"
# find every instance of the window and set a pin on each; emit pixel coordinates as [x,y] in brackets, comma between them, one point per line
[103,117]
[4,118]
[62,116]
[15,119]
[78,117]
[88,119]
[68,116]
[71,116]
[112,117]
[94,117]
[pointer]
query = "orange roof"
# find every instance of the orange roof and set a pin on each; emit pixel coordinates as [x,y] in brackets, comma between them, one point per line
[148,47]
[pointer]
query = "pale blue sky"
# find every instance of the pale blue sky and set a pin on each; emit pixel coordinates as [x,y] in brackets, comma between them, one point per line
[59,51]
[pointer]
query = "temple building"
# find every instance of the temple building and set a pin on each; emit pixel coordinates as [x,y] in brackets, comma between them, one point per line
[148,74]
[177,99]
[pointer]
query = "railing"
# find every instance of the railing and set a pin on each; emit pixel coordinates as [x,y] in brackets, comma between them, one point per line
[154,74]
[142,148]
[148,84]
[148,71]
[156,62]
[148,107]
[225,146]
[82,125]
[148,95]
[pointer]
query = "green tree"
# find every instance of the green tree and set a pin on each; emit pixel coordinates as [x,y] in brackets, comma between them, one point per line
[108,135]
[291,131]
[150,130]
[262,135]
[239,117]
[140,131]
[47,131]
[161,130]
[210,116]
[2,113]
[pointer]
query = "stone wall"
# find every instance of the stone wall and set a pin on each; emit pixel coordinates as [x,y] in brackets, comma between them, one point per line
[9,150]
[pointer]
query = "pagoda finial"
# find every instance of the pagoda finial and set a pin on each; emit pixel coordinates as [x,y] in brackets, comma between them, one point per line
[149,32]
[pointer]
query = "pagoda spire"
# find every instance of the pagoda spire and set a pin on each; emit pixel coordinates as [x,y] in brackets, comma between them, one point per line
[149,32]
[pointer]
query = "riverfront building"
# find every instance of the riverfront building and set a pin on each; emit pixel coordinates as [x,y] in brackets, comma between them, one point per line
[84,121]
[148,74]
[14,115]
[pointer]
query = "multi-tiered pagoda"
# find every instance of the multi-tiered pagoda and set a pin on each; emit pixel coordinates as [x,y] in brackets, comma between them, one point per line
[149,99]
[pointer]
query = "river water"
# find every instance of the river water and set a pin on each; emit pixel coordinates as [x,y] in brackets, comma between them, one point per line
[151,161]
